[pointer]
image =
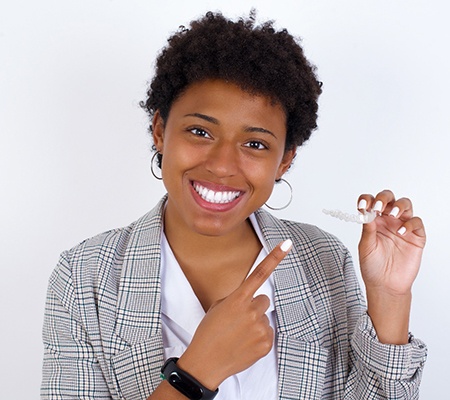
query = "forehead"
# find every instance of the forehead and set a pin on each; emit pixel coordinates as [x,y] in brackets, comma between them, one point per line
[226,100]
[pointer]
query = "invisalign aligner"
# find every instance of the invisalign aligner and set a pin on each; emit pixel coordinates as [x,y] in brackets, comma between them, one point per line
[361,218]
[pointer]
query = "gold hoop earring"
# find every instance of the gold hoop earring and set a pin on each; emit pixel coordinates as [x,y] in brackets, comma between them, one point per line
[152,163]
[290,196]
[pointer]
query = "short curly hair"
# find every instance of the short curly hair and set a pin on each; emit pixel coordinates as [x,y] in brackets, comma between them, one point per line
[257,58]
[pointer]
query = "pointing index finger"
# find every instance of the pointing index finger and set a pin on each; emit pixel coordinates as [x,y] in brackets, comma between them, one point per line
[265,268]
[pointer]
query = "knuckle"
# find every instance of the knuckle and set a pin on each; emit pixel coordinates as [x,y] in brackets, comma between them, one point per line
[261,302]
[260,272]
[260,332]
[266,346]
[267,343]
[265,301]
[386,196]
[253,316]
[419,221]
[403,200]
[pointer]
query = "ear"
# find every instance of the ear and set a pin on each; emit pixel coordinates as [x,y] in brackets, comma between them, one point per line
[286,162]
[158,131]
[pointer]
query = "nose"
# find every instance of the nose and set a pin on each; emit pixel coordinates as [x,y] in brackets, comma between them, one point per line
[223,160]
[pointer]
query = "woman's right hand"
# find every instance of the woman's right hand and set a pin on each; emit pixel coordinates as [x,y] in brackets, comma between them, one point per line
[235,332]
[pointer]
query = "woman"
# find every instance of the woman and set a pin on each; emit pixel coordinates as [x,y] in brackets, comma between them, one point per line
[208,295]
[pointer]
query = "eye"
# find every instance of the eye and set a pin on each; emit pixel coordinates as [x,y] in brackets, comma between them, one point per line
[199,132]
[256,145]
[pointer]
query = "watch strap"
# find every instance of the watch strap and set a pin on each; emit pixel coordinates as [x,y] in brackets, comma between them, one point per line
[185,383]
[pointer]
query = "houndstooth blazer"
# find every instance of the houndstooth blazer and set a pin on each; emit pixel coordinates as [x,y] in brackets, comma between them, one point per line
[102,328]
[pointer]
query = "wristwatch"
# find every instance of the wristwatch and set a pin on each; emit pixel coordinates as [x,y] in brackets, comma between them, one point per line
[185,383]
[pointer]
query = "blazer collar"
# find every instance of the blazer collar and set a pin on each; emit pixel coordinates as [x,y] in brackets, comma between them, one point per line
[296,310]
[138,309]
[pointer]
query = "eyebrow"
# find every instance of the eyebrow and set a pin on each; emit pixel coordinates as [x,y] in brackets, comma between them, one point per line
[261,130]
[216,122]
[205,117]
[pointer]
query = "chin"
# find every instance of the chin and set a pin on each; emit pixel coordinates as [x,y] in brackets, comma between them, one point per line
[211,227]
[210,231]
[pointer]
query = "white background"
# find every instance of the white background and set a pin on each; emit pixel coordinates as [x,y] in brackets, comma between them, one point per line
[74,149]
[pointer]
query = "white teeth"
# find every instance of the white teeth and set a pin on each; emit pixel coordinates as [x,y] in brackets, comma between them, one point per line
[215,197]
[210,196]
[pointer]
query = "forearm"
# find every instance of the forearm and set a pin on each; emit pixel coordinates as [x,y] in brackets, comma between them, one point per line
[166,392]
[390,316]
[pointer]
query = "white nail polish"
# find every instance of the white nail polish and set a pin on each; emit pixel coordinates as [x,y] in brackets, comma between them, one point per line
[378,206]
[401,231]
[394,212]
[362,205]
[286,245]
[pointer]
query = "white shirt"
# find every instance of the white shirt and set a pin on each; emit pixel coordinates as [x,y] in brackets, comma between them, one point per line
[182,313]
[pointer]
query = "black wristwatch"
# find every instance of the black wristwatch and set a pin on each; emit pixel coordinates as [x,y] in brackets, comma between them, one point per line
[185,383]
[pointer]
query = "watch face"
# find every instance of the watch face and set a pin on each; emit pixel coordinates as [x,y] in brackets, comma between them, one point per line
[189,389]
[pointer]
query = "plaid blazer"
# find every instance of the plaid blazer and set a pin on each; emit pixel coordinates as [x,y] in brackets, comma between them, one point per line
[102,328]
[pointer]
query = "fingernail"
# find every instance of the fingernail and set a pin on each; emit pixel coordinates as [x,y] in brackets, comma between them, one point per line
[286,245]
[401,231]
[378,206]
[362,205]
[394,212]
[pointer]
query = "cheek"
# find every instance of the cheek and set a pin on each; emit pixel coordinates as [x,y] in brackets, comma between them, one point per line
[174,153]
[177,161]
[262,175]
[265,169]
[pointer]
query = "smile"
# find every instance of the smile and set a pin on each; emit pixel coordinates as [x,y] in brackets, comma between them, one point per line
[214,197]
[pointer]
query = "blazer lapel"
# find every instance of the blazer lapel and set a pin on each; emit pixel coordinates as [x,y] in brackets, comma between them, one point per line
[138,320]
[301,359]
[138,310]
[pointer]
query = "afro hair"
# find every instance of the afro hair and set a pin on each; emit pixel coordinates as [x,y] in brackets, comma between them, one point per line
[257,58]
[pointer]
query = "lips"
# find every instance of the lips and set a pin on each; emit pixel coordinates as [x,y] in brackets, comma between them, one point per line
[216,196]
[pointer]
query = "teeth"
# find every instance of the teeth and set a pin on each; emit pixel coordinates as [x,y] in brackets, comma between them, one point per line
[215,197]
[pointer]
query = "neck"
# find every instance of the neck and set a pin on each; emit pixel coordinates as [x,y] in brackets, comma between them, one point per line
[195,245]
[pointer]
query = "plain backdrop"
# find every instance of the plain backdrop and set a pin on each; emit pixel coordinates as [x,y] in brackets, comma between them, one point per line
[75,151]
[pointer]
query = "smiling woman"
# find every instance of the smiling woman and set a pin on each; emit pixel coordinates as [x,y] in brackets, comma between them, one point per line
[208,295]
[226,143]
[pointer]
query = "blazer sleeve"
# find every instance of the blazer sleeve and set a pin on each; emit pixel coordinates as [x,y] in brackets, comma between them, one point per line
[378,371]
[70,368]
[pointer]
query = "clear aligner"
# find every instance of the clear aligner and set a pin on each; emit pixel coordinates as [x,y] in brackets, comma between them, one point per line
[361,218]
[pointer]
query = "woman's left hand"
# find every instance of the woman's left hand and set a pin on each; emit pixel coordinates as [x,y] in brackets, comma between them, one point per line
[391,246]
[390,253]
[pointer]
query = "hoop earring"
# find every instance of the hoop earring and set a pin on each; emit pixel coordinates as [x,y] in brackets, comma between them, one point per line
[152,162]
[290,198]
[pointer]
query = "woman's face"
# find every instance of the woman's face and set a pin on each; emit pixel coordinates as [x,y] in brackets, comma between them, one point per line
[223,149]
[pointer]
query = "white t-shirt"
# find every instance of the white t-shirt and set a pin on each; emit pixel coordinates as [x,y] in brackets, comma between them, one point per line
[182,313]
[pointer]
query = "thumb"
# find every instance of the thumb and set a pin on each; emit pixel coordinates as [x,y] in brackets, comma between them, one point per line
[368,237]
